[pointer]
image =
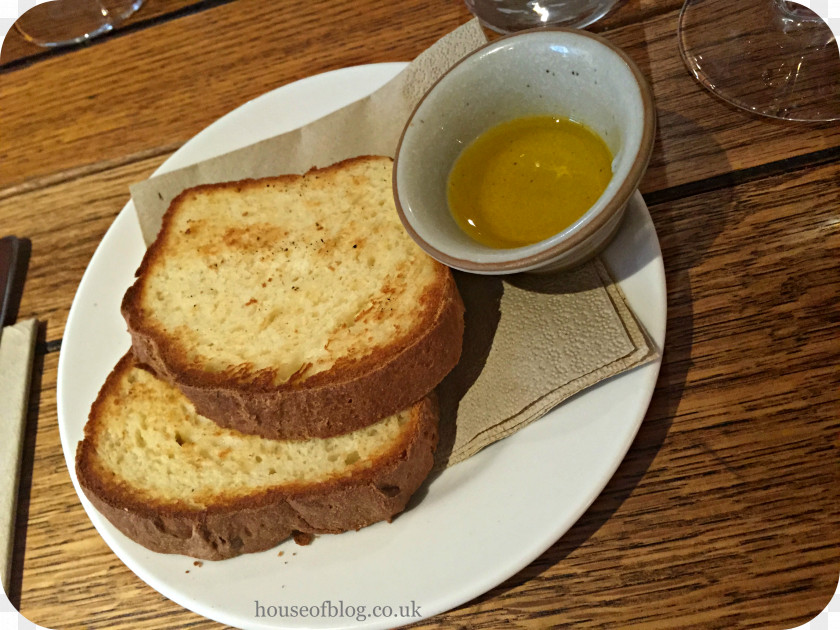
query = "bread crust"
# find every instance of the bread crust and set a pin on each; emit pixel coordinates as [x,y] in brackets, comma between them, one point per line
[234,526]
[352,394]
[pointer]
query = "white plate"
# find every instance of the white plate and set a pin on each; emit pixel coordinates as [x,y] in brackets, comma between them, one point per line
[479,523]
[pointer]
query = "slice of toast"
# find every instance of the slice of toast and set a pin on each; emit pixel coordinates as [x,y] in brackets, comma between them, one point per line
[176,482]
[296,306]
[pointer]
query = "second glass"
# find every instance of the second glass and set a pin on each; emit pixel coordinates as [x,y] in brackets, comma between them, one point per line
[66,22]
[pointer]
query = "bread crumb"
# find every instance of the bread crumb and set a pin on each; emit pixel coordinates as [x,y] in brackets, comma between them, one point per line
[302,539]
[198,563]
[279,553]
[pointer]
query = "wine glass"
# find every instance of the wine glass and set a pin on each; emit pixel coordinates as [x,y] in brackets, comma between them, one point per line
[66,22]
[508,16]
[770,57]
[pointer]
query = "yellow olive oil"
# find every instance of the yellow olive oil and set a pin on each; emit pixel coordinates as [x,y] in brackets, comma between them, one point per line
[527,179]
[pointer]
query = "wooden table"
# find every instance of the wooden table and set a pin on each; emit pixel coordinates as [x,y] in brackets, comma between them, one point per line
[725,512]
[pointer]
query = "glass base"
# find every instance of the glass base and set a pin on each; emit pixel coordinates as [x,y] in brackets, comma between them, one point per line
[510,16]
[67,22]
[769,57]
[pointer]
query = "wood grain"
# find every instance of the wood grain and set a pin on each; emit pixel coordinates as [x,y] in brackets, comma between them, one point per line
[66,222]
[109,100]
[699,136]
[16,49]
[725,512]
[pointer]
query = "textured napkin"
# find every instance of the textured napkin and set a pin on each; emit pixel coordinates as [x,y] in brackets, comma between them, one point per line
[17,351]
[530,341]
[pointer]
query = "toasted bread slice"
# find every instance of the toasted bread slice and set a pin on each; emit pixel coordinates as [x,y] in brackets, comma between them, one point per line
[176,482]
[296,306]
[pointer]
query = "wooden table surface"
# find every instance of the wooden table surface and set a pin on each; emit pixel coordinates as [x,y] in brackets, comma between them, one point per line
[725,512]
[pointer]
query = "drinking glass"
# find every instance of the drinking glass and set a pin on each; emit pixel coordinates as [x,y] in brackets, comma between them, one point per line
[65,22]
[769,57]
[508,16]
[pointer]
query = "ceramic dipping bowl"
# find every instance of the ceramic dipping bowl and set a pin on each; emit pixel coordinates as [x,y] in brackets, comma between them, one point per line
[558,72]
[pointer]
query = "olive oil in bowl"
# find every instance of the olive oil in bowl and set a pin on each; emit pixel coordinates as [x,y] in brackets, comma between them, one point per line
[527,179]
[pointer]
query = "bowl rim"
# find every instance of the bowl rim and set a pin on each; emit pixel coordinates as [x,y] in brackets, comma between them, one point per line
[574,239]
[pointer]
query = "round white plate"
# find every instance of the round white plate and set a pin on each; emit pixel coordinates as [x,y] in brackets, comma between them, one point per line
[479,522]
